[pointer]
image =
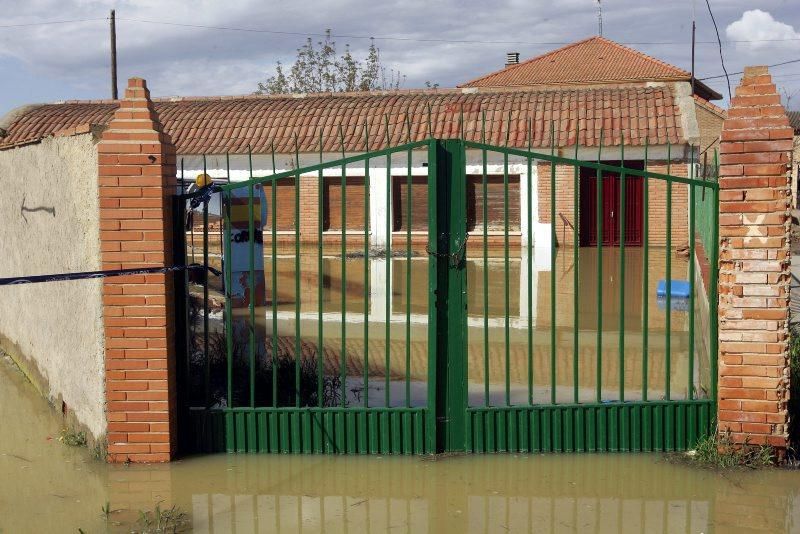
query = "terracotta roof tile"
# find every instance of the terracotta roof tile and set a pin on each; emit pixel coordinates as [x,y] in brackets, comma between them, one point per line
[593,60]
[216,125]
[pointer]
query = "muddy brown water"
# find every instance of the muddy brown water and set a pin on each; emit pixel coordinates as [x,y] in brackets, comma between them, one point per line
[46,486]
[500,352]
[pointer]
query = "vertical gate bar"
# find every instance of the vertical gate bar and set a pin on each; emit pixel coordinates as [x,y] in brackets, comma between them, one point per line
[484,214]
[191,212]
[408,276]
[251,280]
[297,348]
[343,356]
[599,186]
[691,274]
[552,266]
[228,180]
[320,278]
[713,282]
[451,404]
[646,273]
[623,236]
[530,263]
[274,284]
[506,284]
[389,284]
[207,377]
[225,208]
[575,268]
[366,267]
[668,282]
[435,293]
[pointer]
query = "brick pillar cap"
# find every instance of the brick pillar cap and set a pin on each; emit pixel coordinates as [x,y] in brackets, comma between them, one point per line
[756,70]
[137,82]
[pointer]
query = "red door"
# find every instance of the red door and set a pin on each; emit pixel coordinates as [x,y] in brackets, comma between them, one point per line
[610,217]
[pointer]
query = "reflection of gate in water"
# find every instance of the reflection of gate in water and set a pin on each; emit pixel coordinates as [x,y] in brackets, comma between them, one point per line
[460,341]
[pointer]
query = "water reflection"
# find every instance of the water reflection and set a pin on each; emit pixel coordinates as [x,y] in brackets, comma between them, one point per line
[52,488]
[383,319]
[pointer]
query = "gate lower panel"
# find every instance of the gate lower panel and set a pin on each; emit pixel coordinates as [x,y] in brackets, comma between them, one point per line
[652,426]
[311,430]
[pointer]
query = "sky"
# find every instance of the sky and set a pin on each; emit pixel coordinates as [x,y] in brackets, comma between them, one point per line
[170,44]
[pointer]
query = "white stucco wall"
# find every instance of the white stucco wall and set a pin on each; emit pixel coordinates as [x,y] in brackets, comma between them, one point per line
[55,328]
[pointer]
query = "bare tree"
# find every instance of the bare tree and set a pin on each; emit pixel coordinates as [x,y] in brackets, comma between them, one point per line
[318,68]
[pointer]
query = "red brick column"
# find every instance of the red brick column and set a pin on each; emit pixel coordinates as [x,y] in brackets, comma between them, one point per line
[137,178]
[754,264]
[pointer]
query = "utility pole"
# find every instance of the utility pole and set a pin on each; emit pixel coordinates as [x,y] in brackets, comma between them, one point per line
[114,94]
[694,29]
[693,32]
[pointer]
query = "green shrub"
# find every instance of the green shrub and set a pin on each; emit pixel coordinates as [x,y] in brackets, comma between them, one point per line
[719,450]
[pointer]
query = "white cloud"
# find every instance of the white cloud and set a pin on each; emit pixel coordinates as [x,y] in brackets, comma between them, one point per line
[763,32]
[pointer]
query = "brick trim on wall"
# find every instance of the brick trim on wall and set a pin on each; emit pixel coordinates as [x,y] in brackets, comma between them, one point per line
[137,178]
[754,264]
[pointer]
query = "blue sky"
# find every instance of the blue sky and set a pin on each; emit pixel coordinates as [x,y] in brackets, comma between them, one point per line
[50,62]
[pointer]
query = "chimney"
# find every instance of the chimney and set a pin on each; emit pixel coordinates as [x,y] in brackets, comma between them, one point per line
[512,58]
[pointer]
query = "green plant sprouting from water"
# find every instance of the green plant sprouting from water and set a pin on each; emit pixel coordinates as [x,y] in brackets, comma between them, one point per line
[100,450]
[162,521]
[719,450]
[73,438]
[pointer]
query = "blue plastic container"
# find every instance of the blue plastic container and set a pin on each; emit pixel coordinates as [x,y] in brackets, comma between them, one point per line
[680,289]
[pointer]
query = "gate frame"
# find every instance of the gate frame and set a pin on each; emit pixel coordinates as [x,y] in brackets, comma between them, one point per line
[447,423]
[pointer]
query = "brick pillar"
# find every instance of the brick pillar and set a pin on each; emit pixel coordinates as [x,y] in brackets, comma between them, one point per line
[754,264]
[137,178]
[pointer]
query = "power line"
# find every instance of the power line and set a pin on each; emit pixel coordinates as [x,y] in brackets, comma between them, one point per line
[380,37]
[721,58]
[47,23]
[742,72]
[422,40]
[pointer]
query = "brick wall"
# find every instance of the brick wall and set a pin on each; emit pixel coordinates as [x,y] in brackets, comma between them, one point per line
[754,263]
[565,199]
[658,206]
[137,177]
[709,122]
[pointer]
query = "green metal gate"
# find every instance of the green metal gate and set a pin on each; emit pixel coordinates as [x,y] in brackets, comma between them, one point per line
[316,372]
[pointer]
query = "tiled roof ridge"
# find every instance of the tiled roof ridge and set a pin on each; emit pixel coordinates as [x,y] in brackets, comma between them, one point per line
[679,72]
[466,91]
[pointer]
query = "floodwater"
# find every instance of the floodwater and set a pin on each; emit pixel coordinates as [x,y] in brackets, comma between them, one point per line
[46,486]
[510,312]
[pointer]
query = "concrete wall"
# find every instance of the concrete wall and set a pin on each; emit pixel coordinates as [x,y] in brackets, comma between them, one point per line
[50,224]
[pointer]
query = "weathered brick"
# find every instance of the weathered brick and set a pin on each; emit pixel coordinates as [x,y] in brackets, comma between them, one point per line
[136,164]
[753,304]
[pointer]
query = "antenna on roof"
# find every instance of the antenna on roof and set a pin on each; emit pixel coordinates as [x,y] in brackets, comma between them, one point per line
[599,18]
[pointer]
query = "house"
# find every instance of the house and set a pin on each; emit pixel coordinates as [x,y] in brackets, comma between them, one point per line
[794,120]
[586,91]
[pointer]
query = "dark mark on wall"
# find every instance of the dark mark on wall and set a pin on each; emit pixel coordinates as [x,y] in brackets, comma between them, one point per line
[23,209]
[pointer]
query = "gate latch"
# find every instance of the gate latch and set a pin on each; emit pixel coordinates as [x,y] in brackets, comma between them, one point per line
[453,258]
